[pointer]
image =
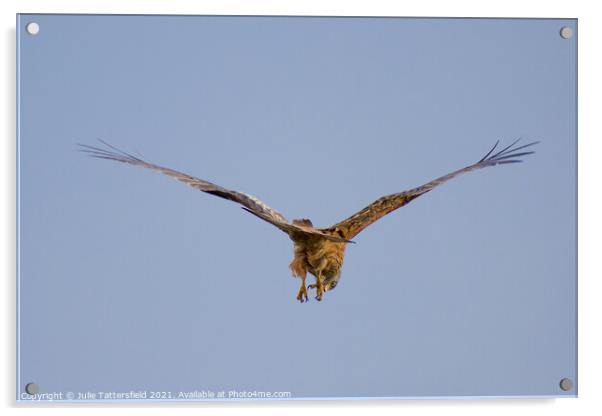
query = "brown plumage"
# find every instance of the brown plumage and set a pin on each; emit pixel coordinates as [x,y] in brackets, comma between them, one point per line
[319,251]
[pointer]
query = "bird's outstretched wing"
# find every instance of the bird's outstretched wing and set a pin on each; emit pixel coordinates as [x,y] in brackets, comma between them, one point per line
[249,203]
[351,226]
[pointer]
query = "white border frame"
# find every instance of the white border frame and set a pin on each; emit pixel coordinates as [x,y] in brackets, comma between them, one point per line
[590,202]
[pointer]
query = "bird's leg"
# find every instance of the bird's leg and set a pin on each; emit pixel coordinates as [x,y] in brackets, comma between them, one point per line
[319,286]
[299,268]
[302,294]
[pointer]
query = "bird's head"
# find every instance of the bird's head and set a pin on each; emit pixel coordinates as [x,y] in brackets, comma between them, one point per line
[331,281]
[304,222]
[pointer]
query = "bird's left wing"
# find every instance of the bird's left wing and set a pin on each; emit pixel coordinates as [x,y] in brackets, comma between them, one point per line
[353,225]
[249,202]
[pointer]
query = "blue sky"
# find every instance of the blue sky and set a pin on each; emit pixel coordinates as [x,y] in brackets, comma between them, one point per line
[131,280]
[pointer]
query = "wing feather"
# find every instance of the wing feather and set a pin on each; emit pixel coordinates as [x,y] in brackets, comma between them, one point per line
[249,202]
[353,225]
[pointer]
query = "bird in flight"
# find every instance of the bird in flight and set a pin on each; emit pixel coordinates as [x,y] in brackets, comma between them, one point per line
[319,251]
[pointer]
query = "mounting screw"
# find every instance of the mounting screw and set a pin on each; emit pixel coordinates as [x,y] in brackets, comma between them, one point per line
[566,32]
[566,384]
[32,28]
[32,388]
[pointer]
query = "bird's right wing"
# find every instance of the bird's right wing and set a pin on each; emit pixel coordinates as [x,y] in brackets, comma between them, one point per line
[249,203]
[351,226]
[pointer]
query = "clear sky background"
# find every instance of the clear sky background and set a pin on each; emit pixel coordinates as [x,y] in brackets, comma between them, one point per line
[131,280]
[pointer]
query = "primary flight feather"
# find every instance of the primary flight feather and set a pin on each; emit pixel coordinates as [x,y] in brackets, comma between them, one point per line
[319,251]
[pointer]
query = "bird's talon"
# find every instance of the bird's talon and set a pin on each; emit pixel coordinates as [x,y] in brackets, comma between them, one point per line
[302,294]
[319,290]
